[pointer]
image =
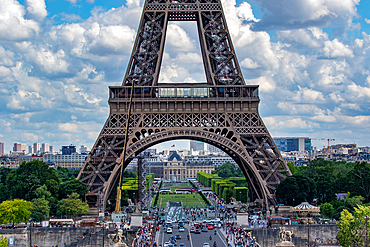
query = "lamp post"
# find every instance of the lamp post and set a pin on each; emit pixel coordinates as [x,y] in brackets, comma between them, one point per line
[293,206]
[240,196]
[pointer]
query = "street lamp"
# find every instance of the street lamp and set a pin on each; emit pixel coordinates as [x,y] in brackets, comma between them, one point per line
[240,196]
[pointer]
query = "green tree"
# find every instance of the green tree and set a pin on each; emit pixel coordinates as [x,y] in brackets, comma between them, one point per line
[4,195]
[298,187]
[65,174]
[3,241]
[22,182]
[15,211]
[227,194]
[359,180]
[228,170]
[354,200]
[72,205]
[352,226]
[70,186]
[40,209]
[327,210]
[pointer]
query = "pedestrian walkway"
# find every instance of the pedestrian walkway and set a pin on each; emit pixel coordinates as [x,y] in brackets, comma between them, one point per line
[224,235]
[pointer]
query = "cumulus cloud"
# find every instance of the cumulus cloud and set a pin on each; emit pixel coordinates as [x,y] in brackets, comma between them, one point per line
[299,37]
[177,39]
[294,14]
[36,9]
[68,127]
[336,49]
[13,25]
[56,78]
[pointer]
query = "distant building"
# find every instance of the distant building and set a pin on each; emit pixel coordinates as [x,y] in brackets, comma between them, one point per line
[36,148]
[2,148]
[66,150]
[216,161]
[26,158]
[30,149]
[151,151]
[84,149]
[51,149]
[73,161]
[20,148]
[289,144]
[45,148]
[17,147]
[176,169]
[213,149]
[196,146]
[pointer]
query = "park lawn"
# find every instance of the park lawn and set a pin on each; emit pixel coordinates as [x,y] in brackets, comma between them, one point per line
[188,200]
[173,188]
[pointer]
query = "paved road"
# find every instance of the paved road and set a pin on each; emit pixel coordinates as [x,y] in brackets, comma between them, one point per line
[196,240]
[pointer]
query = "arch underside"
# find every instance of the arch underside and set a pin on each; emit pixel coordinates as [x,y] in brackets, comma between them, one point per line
[241,135]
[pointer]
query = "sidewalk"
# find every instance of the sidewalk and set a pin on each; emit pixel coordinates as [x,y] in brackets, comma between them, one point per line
[223,233]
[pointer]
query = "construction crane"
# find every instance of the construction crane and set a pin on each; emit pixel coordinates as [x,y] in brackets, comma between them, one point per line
[324,139]
[329,140]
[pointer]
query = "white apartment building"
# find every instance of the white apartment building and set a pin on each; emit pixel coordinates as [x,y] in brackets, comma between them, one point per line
[72,162]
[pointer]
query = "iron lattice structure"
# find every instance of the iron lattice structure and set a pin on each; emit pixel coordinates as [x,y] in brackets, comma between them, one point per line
[223,112]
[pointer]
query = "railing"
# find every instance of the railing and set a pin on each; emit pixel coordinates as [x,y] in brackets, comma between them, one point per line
[184,90]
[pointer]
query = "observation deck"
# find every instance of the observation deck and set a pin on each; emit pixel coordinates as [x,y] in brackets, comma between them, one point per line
[184,97]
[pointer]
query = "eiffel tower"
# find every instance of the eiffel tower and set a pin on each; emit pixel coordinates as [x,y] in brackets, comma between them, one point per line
[222,112]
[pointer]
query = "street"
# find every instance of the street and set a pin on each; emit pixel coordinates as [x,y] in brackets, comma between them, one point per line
[195,240]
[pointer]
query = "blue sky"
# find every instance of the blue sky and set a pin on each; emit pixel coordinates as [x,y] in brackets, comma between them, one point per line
[57,58]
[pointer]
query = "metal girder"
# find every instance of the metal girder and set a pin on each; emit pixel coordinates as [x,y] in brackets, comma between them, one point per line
[220,63]
[223,112]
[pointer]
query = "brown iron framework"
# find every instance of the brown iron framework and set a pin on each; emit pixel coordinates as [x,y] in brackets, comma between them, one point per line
[223,112]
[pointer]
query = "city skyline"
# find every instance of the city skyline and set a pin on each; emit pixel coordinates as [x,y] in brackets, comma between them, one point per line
[58,59]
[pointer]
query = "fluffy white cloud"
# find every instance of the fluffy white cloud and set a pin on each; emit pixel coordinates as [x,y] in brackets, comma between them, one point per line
[13,25]
[68,127]
[36,9]
[335,49]
[177,39]
[249,63]
[300,13]
[298,37]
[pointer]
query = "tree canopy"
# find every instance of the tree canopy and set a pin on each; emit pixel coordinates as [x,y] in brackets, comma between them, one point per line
[228,170]
[15,211]
[23,182]
[72,205]
[352,226]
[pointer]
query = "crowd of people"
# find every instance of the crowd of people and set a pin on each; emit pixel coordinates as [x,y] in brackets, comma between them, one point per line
[145,236]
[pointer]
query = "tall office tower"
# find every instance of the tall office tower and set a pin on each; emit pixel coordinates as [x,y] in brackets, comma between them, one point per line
[36,148]
[45,148]
[24,148]
[213,149]
[30,149]
[2,148]
[51,149]
[196,146]
[288,144]
[68,149]
[84,149]
[17,147]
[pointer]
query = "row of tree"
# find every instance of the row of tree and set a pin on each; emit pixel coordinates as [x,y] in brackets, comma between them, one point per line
[321,180]
[226,181]
[35,190]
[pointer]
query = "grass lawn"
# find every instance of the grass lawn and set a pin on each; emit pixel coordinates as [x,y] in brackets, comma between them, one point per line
[188,200]
[174,186]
